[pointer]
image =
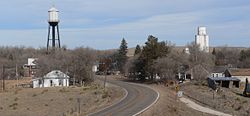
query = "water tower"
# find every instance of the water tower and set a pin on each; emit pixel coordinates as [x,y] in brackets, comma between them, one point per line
[53,25]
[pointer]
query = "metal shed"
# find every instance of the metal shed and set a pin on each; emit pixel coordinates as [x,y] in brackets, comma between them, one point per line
[228,82]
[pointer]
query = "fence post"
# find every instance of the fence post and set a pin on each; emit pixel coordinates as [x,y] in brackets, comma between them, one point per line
[79,105]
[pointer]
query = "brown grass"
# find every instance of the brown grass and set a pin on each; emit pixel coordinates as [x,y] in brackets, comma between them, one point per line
[229,101]
[56,101]
[169,105]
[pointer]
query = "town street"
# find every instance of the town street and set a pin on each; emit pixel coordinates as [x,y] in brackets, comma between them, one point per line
[137,99]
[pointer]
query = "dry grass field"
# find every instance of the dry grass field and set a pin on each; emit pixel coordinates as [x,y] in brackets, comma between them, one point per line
[228,100]
[169,105]
[57,101]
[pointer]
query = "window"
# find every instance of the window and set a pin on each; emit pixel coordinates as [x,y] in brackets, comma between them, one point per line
[51,83]
[60,82]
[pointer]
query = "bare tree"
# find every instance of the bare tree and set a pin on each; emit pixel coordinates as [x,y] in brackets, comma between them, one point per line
[200,62]
[166,68]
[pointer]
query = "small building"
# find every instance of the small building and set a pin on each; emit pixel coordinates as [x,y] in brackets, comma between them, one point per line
[228,82]
[218,71]
[95,68]
[30,67]
[240,73]
[52,79]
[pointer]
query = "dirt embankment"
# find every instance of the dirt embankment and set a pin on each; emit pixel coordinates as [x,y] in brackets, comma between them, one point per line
[227,100]
[169,105]
[57,101]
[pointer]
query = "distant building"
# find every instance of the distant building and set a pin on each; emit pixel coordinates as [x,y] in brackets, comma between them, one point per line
[52,79]
[30,67]
[186,50]
[95,68]
[32,62]
[239,73]
[218,71]
[202,39]
[227,82]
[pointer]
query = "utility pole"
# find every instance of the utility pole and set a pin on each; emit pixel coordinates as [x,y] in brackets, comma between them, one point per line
[105,74]
[105,78]
[74,76]
[17,77]
[3,78]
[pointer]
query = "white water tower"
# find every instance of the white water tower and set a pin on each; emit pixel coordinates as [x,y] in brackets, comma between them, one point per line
[53,23]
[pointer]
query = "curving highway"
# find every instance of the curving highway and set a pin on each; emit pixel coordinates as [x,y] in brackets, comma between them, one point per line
[138,99]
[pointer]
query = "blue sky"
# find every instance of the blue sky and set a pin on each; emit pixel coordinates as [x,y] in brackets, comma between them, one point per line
[101,24]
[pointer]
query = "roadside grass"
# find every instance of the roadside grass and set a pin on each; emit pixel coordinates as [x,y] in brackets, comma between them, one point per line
[57,100]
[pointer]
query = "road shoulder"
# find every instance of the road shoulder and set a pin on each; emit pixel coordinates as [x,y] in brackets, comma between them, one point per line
[200,108]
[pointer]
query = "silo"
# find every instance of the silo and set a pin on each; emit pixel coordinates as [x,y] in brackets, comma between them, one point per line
[202,39]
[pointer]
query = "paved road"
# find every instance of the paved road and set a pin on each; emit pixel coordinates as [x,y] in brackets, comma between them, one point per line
[138,99]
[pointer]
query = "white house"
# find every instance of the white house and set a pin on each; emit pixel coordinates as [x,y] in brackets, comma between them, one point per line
[52,79]
[218,71]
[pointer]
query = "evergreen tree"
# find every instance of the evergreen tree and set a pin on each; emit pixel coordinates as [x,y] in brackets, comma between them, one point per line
[214,52]
[151,51]
[121,57]
[137,50]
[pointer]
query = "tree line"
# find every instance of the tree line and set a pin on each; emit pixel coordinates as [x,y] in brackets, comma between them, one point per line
[77,63]
[163,59]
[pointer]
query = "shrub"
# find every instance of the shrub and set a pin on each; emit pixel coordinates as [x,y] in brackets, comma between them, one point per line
[71,99]
[237,99]
[105,94]
[34,95]
[245,101]
[44,91]
[238,108]
[63,90]
[97,100]
[16,92]
[13,105]
[14,108]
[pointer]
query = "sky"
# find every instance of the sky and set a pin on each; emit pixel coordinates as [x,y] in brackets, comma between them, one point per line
[101,24]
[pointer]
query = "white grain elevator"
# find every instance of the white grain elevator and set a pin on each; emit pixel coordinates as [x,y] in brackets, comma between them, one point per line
[202,39]
[53,36]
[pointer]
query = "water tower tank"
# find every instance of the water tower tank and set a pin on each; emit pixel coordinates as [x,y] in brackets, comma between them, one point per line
[53,15]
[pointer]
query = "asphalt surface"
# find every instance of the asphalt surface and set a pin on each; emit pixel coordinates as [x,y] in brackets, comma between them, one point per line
[139,98]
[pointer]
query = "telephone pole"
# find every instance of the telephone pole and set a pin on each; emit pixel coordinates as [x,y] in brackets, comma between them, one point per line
[3,81]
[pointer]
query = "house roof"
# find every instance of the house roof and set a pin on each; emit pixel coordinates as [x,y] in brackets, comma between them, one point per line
[199,66]
[218,69]
[240,72]
[224,78]
[55,74]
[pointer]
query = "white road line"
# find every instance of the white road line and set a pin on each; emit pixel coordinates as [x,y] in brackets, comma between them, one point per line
[143,110]
[157,98]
